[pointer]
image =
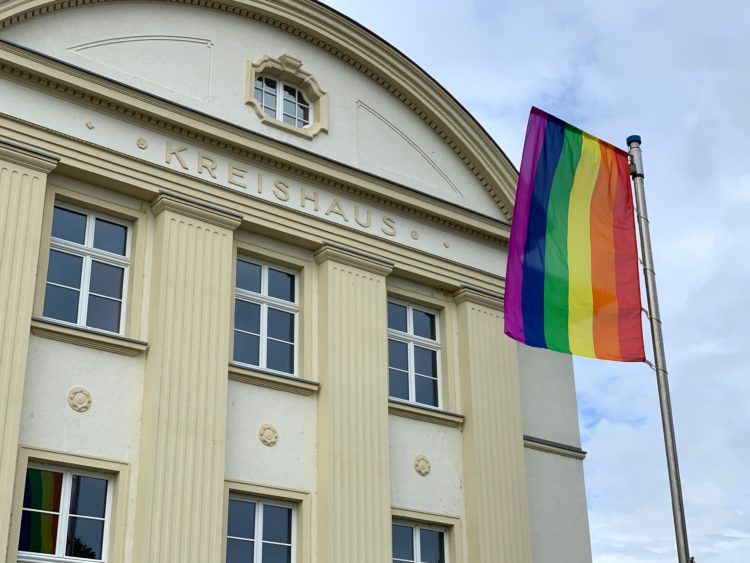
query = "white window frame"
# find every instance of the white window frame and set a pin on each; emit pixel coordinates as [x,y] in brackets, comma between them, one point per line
[411,340]
[88,253]
[279,116]
[416,527]
[265,301]
[258,540]
[64,516]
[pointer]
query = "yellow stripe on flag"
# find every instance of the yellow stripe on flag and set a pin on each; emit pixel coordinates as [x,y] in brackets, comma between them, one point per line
[580,294]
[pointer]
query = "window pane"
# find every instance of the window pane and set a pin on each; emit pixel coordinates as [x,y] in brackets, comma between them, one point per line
[248,276]
[240,551]
[304,113]
[241,519]
[259,95]
[289,119]
[88,496]
[426,390]
[271,101]
[290,93]
[106,279]
[289,106]
[277,524]
[398,355]
[280,356]
[69,225]
[425,361]
[64,268]
[398,384]
[397,317]
[281,285]
[247,316]
[38,532]
[61,303]
[270,111]
[110,237]
[403,542]
[85,538]
[276,553]
[270,83]
[424,324]
[246,348]
[103,313]
[431,546]
[280,325]
[42,490]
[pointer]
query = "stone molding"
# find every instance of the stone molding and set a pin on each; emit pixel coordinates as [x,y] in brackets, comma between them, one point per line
[82,336]
[28,157]
[480,296]
[279,382]
[414,412]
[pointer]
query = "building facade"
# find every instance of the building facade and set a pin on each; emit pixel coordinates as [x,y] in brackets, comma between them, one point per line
[252,301]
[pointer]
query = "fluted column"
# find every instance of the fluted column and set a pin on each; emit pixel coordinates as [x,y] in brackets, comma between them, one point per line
[23,180]
[354,518]
[497,512]
[181,467]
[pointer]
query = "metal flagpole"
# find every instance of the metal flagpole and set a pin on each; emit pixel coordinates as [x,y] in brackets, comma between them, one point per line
[660,362]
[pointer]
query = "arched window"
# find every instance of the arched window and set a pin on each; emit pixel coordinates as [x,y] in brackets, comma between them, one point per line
[286,97]
[282,101]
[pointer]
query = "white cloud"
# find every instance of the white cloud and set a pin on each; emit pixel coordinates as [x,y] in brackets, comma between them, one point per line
[676,73]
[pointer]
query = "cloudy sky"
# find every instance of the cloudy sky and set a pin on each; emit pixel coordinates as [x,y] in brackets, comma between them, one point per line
[677,73]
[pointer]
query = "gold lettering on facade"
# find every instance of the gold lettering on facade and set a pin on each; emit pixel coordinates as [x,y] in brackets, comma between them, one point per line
[336,208]
[175,152]
[366,224]
[389,226]
[206,163]
[304,196]
[281,190]
[236,175]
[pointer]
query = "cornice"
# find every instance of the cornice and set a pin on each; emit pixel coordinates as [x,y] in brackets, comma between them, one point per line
[551,447]
[341,37]
[167,201]
[28,156]
[351,257]
[479,296]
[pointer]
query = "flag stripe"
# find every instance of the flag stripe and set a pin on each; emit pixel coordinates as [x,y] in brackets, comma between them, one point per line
[572,280]
[580,295]
[533,279]
[630,327]
[603,273]
[514,274]
[556,263]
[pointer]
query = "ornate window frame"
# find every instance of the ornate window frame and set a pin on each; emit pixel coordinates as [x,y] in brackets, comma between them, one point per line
[288,69]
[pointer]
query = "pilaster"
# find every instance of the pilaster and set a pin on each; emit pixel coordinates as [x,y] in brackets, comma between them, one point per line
[354,512]
[497,512]
[179,509]
[23,180]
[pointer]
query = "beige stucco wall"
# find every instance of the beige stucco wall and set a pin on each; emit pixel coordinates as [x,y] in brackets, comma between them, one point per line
[337,442]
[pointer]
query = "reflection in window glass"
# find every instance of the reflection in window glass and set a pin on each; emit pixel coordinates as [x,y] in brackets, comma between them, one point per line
[45,507]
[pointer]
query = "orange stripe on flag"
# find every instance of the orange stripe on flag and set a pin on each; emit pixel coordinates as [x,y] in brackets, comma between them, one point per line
[603,270]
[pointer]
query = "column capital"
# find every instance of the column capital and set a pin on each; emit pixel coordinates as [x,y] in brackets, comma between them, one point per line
[29,157]
[195,208]
[479,296]
[353,257]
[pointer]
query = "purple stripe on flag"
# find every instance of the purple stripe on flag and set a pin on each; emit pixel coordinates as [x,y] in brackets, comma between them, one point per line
[514,274]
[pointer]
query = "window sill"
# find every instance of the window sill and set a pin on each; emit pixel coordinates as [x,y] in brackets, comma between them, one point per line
[272,380]
[87,337]
[425,414]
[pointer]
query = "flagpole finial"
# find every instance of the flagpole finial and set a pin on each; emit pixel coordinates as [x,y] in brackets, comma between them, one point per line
[633,139]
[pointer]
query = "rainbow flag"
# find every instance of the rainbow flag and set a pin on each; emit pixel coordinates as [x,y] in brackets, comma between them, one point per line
[572,280]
